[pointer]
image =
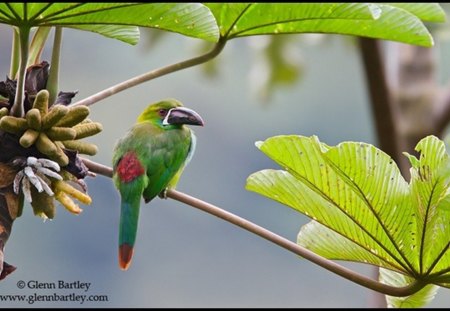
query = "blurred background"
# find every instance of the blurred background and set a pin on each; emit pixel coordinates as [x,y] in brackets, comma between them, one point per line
[183,256]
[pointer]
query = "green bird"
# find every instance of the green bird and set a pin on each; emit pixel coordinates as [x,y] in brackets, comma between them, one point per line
[148,160]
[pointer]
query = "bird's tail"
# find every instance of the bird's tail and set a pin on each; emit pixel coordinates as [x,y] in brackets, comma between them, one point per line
[129,216]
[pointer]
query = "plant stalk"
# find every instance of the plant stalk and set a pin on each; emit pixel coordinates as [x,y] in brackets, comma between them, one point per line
[37,45]
[53,77]
[15,54]
[278,240]
[152,75]
[17,108]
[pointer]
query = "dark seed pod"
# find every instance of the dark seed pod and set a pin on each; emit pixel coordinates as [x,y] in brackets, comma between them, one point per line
[7,173]
[15,204]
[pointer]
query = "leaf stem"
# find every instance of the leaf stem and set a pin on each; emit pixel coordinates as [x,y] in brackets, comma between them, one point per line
[15,54]
[278,240]
[37,45]
[53,77]
[17,109]
[152,75]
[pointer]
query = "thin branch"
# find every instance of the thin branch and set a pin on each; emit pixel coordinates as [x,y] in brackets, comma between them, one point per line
[17,109]
[380,99]
[278,240]
[98,168]
[442,111]
[382,108]
[297,249]
[152,75]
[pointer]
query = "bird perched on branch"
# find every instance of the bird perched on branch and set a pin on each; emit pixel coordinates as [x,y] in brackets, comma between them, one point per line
[148,160]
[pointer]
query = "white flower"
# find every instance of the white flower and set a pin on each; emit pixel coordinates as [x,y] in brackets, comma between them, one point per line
[35,173]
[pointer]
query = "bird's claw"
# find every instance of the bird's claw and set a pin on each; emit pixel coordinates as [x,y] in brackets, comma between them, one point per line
[163,194]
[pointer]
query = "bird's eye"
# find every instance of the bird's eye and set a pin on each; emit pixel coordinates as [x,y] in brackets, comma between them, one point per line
[162,112]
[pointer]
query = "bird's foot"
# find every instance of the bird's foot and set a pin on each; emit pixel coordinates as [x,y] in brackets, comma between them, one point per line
[163,194]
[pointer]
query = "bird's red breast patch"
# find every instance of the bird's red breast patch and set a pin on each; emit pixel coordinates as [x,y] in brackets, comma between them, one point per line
[129,167]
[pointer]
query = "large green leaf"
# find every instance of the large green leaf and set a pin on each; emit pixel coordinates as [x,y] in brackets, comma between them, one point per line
[128,34]
[427,12]
[346,188]
[332,245]
[429,187]
[383,21]
[417,300]
[190,19]
[236,20]
[362,208]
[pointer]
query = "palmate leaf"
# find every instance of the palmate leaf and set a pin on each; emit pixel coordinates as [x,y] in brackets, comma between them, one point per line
[417,300]
[399,22]
[332,245]
[427,12]
[115,20]
[362,208]
[354,189]
[127,34]
[429,188]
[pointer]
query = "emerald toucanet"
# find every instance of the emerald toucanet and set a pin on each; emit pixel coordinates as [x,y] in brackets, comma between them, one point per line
[148,160]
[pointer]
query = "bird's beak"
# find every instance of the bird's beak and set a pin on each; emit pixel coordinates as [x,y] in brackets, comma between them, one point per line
[182,115]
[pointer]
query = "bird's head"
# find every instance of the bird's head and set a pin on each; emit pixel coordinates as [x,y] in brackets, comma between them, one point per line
[170,113]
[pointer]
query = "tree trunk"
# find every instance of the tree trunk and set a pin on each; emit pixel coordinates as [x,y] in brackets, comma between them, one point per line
[406,101]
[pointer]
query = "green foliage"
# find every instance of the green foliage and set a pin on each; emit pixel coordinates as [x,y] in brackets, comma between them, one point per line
[401,22]
[417,300]
[427,12]
[363,210]
[115,20]
[277,63]
[247,19]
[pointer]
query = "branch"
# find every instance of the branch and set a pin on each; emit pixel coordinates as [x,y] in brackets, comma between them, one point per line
[278,240]
[382,108]
[98,168]
[152,75]
[442,111]
[380,99]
